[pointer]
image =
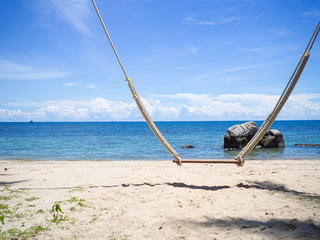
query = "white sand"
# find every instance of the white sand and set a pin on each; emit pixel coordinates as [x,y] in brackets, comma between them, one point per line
[159,200]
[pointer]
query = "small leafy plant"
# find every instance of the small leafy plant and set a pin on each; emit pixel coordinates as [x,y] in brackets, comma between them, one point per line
[2,218]
[57,214]
[72,199]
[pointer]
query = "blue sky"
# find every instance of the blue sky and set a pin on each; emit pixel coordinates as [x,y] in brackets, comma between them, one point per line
[188,59]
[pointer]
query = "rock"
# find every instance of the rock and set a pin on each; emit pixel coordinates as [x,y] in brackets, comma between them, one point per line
[272,138]
[307,145]
[187,146]
[239,135]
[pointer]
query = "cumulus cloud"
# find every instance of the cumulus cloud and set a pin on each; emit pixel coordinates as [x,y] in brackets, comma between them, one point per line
[180,106]
[244,106]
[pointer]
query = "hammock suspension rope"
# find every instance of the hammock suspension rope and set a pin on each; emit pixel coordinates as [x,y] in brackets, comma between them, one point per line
[282,100]
[139,103]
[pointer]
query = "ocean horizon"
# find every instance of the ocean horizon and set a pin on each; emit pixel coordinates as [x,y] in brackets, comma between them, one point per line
[133,140]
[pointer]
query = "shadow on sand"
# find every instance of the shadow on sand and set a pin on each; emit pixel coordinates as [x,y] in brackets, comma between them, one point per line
[272,186]
[12,182]
[273,228]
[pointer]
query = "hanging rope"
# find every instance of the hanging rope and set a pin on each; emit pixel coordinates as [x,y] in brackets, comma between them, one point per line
[281,102]
[139,103]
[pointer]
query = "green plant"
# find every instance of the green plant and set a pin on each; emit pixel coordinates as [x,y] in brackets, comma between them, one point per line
[31,199]
[271,193]
[57,214]
[81,204]
[76,190]
[20,215]
[72,199]
[15,233]
[3,206]
[309,198]
[94,218]
[6,198]
[40,211]
[125,238]
[16,191]
[5,187]
[7,212]
[2,218]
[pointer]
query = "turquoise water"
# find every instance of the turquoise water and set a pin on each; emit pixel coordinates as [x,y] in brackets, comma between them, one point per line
[135,141]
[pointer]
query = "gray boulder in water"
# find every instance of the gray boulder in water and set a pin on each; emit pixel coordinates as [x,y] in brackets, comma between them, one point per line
[239,135]
[272,138]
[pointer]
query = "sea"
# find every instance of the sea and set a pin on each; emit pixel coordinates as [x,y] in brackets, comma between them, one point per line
[124,141]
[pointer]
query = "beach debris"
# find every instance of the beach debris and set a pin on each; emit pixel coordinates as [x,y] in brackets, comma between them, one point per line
[239,135]
[187,146]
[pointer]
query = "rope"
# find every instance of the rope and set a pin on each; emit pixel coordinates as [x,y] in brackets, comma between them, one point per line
[138,101]
[281,102]
[270,119]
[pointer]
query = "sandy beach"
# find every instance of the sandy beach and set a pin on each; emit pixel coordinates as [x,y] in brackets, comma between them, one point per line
[159,200]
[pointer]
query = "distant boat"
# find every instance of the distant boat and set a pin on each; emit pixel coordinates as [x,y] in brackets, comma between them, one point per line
[31,121]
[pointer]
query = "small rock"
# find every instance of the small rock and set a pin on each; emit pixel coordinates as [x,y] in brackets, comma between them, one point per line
[187,146]
[307,145]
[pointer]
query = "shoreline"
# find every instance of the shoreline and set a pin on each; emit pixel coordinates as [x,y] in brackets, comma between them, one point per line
[247,160]
[159,200]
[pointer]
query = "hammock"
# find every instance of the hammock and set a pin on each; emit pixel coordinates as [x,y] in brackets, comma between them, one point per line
[238,160]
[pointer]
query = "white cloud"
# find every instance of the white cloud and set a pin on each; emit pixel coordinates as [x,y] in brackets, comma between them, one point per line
[75,84]
[315,13]
[190,20]
[181,106]
[236,69]
[280,33]
[74,12]
[11,70]
[70,84]
[156,109]
[194,21]
[245,106]
[92,86]
[268,49]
